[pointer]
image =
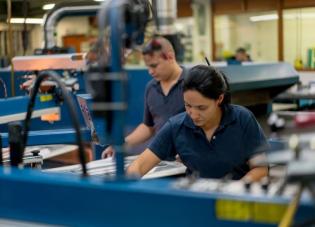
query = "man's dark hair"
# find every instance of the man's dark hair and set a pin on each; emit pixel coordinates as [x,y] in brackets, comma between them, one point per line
[240,50]
[158,44]
[209,82]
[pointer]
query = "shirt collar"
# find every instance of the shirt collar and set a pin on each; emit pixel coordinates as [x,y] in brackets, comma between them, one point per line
[227,118]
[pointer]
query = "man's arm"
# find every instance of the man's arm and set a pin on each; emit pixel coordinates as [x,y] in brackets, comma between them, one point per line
[257,172]
[143,164]
[141,134]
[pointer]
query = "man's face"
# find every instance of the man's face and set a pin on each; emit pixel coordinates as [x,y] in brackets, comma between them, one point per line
[201,110]
[158,66]
[241,56]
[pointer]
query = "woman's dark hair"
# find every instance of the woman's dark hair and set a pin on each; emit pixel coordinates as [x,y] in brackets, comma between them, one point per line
[209,82]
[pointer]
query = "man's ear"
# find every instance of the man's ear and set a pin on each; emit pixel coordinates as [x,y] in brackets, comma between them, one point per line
[171,55]
[168,55]
[164,56]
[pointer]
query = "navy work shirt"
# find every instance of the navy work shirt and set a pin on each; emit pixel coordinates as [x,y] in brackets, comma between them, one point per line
[158,108]
[234,142]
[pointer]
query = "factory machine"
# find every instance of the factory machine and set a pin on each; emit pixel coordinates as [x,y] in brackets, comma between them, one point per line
[99,193]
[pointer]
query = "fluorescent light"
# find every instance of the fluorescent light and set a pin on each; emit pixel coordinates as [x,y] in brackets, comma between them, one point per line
[268,17]
[308,15]
[48,6]
[179,27]
[299,16]
[264,17]
[99,0]
[27,20]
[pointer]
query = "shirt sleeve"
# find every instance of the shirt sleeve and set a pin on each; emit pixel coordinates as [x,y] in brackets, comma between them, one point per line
[147,116]
[162,145]
[255,141]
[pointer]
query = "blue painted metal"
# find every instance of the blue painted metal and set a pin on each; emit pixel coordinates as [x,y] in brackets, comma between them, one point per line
[19,104]
[69,200]
[43,132]
[117,31]
[54,136]
[5,75]
[260,76]
[241,78]
[93,123]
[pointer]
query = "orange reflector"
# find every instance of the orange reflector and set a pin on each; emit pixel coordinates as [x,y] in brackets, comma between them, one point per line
[50,117]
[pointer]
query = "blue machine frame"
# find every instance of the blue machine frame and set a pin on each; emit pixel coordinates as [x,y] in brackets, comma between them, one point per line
[59,199]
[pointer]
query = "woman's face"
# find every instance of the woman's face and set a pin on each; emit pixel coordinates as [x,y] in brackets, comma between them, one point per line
[202,110]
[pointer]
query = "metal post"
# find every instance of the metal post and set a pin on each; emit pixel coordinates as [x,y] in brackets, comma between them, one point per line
[117,29]
[10,46]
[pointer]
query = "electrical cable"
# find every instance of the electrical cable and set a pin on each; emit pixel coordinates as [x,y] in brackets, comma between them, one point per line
[208,63]
[75,121]
[289,214]
[5,92]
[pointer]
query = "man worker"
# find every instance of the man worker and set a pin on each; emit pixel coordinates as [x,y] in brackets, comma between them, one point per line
[163,97]
[241,55]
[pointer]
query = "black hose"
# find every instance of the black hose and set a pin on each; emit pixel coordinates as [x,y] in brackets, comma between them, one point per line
[5,93]
[68,100]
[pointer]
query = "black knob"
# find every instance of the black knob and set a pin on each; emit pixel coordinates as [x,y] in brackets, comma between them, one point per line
[264,184]
[247,184]
[275,122]
[35,152]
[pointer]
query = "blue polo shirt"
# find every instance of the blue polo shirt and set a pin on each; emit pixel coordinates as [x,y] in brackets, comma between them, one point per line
[158,108]
[235,141]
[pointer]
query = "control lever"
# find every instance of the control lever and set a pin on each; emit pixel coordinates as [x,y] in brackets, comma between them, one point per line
[16,144]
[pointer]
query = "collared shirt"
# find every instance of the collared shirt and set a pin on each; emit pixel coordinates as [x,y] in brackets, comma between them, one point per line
[158,108]
[238,138]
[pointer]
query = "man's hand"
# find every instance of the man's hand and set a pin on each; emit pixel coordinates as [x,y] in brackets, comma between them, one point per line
[177,159]
[108,152]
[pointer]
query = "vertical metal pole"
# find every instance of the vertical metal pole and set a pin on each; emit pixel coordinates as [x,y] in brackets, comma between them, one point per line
[280,30]
[10,46]
[117,29]
[212,32]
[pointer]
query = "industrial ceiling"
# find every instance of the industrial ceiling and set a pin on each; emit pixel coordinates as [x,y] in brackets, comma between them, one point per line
[30,8]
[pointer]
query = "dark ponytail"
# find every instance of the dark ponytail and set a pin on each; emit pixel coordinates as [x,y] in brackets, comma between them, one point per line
[209,82]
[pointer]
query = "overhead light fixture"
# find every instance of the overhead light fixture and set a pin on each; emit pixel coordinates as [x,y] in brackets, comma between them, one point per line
[299,16]
[27,21]
[266,17]
[99,0]
[48,6]
[291,16]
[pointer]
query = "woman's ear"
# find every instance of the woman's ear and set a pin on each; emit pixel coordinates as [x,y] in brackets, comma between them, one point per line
[220,99]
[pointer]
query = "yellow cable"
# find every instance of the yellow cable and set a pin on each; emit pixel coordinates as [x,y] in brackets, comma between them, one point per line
[289,214]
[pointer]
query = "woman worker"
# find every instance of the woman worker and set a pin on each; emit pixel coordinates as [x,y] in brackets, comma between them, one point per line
[213,137]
